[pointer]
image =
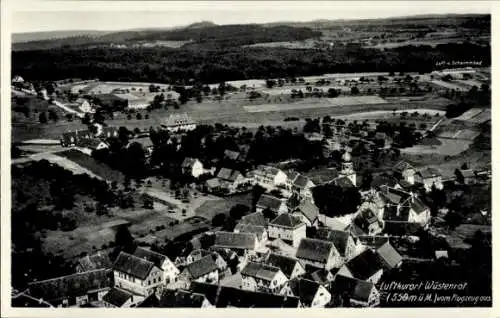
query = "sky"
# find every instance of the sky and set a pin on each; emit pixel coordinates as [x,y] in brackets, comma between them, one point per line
[49,15]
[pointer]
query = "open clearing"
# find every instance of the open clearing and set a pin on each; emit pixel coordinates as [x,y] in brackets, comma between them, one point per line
[448,147]
[97,168]
[333,102]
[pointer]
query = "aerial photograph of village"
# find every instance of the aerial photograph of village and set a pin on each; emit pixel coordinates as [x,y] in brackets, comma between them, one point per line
[321,163]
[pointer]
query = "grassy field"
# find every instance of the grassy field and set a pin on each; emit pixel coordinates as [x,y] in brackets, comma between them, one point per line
[100,169]
[213,207]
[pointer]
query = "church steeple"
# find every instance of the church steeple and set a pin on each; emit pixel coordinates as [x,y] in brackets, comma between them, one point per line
[348,167]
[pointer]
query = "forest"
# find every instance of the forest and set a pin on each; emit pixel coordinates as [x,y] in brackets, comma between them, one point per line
[178,66]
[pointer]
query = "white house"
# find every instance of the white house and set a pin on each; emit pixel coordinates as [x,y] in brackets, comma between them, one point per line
[342,240]
[310,293]
[272,203]
[300,184]
[179,122]
[404,171]
[204,270]
[430,177]
[269,177]
[308,213]
[136,274]
[287,228]
[85,106]
[318,253]
[170,271]
[262,277]
[192,167]
[403,206]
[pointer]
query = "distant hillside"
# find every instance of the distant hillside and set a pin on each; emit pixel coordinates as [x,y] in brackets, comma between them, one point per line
[53,35]
[202,24]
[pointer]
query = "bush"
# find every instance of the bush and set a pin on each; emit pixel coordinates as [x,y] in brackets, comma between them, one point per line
[218,219]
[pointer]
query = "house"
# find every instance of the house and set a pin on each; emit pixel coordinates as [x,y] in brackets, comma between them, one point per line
[256,218]
[368,222]
[262,277]
[465,176]
[373,202]
[200,253]
[259,231]
[308,213]
[404,171]
[281,247]
[179,122]
[389,256]
[366,266]
[300,184]
[342,240]
[238,242]
[85,106]
[382,140]
[223,297]
[106,132]
[288,228]
[232,155]
[355,292]
[137,275]
[192,167]
[268,177]
[402,206]
[73,290]
[290,266]
[430,177]
[87,146]
[272,203]
[119,298]
[231,180]
[310,293]
[203,270]
[98,260]
[170,271]
[71,138]
[318,253]
[182,299]
[320,276]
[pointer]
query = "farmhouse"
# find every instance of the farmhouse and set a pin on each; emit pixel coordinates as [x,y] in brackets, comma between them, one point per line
[404,171]
[262,277]
[177,299]
[310,293]
[73,290]
[342,240]
[192,167]
[256,218]
[87,146]
[389,256]
[136,274]
[92,262]
[402,206]
[71,138]
[300,184]
[288,228]
[318,253]
[271,203]
[368,222]
[179,122]
[356,292]
[239,242]
[230,179]
[259,231]
[119,298]
[290,266]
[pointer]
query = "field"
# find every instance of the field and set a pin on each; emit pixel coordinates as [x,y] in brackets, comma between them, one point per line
[100,169]
[448,147]
[211,208]
[108,87]
[476,115]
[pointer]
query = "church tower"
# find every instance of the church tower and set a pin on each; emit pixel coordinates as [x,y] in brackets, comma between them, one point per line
[348,168]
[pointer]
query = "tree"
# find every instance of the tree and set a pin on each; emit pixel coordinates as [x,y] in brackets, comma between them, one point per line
[335,201]
[327,131]
[238,211]
[354,90]
[42,118]
[366,180]
[147,203]
[332,92]
[218,220]
[124,240]
[453,219]
[53,115]
[222,88]
[270,83]
[138,116]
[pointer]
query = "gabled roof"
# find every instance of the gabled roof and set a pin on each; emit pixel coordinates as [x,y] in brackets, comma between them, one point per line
[267,170]
[326,176]
[256,218]
[260,271]
[94,261]
[320,276]
[222,296]
[180,298]
[343,182]
[389,256]
[309,210]
[133,265]
[200,253]
[383,180]
[235,240]
[394,196]
[392,213]
[148,255]
[72,285]
[292,175]
[365,265]
[231,155]
[467,173]
[252,229]
[228,174]
[355,289]
[285,263]
[305,289]
[202,266]
[301,181]
[117,297]
[269,202]
[402,166]
[286,220]
[177,120]
[338,238]
[418,206]
[314,250]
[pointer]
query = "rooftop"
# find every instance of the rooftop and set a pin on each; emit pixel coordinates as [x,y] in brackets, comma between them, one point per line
[117,297]
[309,210]
[338,238]
[365,265]
[235,240]
[354,288]
[314,250]
[285,263]
[389,256]
[269,202]
[286,220]
[260,271]
[202,266]
[133,265]
[256,218]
